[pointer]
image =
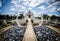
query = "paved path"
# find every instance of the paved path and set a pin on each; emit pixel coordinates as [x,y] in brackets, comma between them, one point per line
[29,34]
[54,28]
[4,29]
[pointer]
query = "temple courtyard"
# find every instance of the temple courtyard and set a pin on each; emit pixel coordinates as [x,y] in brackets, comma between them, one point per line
[30,29]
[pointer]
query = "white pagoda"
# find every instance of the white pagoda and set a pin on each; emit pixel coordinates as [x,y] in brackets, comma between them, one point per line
[29,14]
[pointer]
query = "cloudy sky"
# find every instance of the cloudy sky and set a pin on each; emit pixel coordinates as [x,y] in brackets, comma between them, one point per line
[11,7]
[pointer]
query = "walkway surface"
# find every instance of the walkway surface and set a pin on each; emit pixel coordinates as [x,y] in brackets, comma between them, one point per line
[4,29]
[29,34]
[54,28]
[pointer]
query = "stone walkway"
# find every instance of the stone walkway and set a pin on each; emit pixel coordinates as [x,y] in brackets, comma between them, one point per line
[4,29]
[29,33]
[54,28]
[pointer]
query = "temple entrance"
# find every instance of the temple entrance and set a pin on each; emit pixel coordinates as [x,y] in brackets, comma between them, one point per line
[29,16]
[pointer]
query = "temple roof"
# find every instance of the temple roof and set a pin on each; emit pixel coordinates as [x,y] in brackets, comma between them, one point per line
[29,12]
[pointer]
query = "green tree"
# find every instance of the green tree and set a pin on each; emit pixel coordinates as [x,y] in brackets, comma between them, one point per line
[21,16]
[45,16]
[53,17]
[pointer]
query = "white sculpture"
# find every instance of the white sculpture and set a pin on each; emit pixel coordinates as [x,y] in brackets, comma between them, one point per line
[41,21]
[17,21]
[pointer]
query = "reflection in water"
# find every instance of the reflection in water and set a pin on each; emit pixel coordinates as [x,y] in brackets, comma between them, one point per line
[14,34]
[44,33]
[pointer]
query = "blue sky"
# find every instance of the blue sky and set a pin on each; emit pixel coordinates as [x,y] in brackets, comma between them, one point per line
[11,7]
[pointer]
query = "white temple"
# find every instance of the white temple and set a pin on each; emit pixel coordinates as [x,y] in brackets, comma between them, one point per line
[29,14]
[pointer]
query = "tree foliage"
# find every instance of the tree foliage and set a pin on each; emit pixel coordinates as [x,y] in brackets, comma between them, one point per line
[53,17]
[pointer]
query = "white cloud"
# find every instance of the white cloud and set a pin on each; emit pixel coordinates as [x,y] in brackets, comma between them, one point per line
[30,8]
[12,9]
[58,9]
[42,7]
[54,4]
[14,2]
[21,10]
[49,1]
[51,10]
[17,4]
[52,7]
[0,4]
[22,7]
[32,3]
[35,2]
